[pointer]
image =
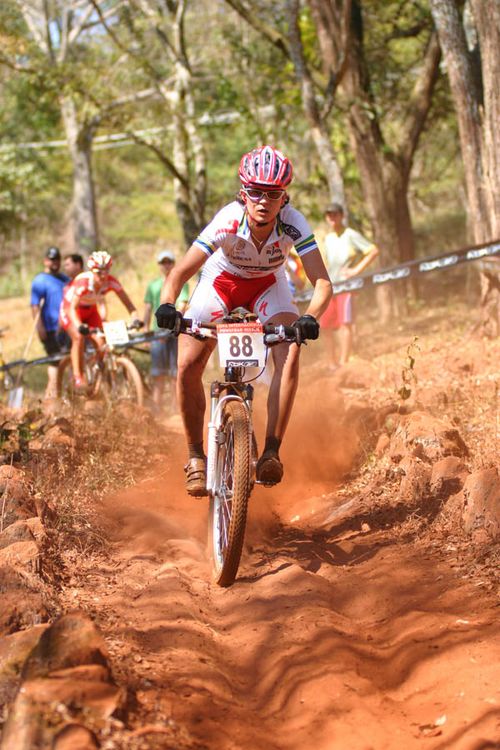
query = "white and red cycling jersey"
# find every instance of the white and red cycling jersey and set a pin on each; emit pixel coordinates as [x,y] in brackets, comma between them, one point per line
[237,274]
[228,243]
[83,287]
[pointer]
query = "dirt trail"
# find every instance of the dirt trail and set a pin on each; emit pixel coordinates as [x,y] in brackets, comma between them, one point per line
[329,639]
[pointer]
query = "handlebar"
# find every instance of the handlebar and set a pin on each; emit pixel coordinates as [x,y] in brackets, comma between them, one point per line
[273,334]
[130,327]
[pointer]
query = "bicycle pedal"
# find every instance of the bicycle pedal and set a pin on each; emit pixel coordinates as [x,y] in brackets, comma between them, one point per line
[266,484]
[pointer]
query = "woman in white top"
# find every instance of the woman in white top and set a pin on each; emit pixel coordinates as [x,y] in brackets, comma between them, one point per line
[348,254]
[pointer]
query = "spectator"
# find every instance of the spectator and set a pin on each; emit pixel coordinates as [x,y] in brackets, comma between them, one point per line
[46,297]
[73,265]
[163,351]
[348,254]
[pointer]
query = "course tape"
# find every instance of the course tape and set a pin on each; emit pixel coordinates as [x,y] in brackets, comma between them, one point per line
[375,278]
[143,338]
[412,268]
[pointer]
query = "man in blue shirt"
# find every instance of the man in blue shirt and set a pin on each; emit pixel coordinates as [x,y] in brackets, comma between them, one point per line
[46,297]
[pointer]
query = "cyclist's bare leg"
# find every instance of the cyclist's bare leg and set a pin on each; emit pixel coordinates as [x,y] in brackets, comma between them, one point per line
[279,403]
[192,360]
[77,344]
[284,382]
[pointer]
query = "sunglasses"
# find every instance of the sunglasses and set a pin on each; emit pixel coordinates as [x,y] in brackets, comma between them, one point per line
[256,195]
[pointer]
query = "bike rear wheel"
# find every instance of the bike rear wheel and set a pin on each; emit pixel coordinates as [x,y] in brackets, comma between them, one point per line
[233,485]
[65,378]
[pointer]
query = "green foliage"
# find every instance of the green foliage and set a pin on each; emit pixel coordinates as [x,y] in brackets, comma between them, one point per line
[235,70]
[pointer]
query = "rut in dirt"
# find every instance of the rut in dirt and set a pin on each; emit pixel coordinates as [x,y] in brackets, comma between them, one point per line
[328,638]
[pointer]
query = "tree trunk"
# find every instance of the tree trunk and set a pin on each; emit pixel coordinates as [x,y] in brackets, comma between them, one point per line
[319,131]
[487,19]
[85,234]
[384,168]
[477,105]
[467,97]
[190,193]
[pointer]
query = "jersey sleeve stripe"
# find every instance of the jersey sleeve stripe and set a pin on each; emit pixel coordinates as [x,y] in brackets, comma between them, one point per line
[207,247]
[306,245]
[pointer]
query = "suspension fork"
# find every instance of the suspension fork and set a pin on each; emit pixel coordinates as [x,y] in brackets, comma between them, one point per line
[243,393]
[215,390]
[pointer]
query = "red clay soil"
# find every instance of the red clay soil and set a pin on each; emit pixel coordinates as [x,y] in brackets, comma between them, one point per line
[352,635]
[326,641]
[363,617]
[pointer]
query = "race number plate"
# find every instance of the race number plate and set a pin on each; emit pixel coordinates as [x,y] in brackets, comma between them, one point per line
[115,332]
[241,345]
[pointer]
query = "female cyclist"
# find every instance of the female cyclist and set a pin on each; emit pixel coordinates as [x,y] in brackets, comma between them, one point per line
[243,253]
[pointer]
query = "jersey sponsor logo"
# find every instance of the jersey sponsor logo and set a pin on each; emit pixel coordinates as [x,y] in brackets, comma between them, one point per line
[291,231]
[274,251]
[216,315]
[263,308]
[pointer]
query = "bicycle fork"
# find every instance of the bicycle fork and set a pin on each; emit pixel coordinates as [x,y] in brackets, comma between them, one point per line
[216,436]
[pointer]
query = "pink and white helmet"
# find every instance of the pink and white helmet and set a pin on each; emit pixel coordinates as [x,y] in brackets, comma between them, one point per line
[266,167]
[100,260]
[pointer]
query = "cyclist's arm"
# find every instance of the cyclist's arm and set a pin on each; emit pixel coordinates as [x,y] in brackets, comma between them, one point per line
[127,302]
[102,309]
[317,274]
[182,272]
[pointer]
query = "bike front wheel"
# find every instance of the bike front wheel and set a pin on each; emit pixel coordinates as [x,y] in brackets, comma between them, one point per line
[232,487]
[124,382]
[92,375]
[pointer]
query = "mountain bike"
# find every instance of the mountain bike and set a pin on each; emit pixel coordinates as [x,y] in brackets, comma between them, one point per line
[107,371]
[6,379]
[232,448]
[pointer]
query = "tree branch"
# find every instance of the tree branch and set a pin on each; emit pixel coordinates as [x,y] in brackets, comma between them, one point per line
[270,33]
[161,156]
[31,17]
[420,102]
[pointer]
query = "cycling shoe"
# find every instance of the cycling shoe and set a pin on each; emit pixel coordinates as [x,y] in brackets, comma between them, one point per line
[196,477]
[269,470]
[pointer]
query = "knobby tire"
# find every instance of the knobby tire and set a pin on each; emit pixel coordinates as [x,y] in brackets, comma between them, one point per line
[127,369]
[232,490]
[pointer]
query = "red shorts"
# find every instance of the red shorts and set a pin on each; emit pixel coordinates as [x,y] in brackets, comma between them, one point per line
[88,314]
[217,296]
[338,313]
